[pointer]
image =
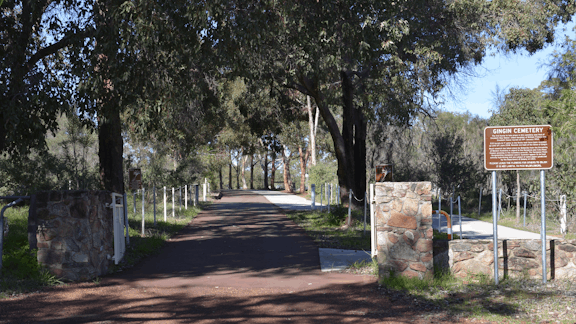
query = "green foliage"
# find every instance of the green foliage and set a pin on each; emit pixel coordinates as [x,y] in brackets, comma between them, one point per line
[444,236]
[20,263]
[321,173]
[21,271]
[68,161]
[440,280]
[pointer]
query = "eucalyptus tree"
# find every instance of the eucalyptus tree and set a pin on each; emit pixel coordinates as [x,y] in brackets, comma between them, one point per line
[145,63]
[36,83]
[559,89]
[363,59]
[141,64]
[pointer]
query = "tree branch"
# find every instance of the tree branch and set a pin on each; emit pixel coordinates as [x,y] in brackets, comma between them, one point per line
[51,49]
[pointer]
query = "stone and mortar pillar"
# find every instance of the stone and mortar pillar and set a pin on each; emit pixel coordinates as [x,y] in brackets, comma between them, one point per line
[75,233]
[403,214]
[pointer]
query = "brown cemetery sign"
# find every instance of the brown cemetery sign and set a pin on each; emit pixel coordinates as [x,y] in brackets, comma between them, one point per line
[518,147]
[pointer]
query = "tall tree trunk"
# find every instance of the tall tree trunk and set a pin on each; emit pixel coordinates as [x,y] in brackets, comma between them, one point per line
[110,149]
[313,125]
[220,177]
[244,160]
[303,162]
[230,173]
[272,169]
[237,168]
[287,176]
[252,171]
[265,169]
[350,144]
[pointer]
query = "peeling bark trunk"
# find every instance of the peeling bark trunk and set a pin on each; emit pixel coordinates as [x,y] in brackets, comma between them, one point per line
[265,169]
[244,159]
[252,171]
[230,173]
[303,162]
[220,177]
[272,170]
[287,176]
[313,125]
[237,168]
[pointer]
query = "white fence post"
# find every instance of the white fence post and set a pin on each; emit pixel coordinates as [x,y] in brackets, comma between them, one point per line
[480,202]
[329,195]
[313,196]
[186,197]
[125,207]
[143,199]
[204,191]
[173,205]
[373,232]
[164,203]
[118,211]
[460,217]
[349,222]
[563,220]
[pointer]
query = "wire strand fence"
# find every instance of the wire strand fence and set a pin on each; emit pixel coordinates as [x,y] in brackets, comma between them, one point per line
[180,196]
[326,195]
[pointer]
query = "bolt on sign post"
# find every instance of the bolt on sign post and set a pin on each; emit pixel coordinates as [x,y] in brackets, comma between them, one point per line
[519,148]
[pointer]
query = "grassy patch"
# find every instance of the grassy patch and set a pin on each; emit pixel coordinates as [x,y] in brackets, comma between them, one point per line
[20,270]
[476,296]
[328,230]
[365,267]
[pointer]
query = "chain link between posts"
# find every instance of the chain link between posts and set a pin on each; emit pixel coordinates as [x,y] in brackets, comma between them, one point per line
[353,195]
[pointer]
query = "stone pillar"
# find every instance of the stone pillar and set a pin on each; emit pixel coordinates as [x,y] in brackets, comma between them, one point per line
[403,214]
[75,233]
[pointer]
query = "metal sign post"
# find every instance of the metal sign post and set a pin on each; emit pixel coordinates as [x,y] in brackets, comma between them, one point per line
[543,224]
[495,227]
[519,148]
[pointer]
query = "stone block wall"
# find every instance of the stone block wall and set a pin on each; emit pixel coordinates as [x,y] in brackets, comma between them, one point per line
[516,258]
[403,217]
[75,233]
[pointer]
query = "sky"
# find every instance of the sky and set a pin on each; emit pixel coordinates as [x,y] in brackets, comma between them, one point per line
[517,70]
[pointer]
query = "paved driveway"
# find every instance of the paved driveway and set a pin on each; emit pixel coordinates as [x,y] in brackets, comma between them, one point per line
[239,261]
